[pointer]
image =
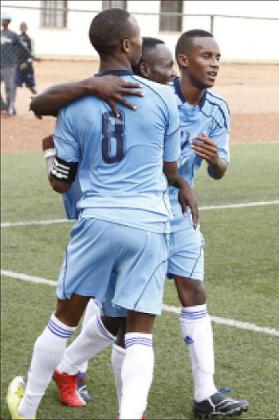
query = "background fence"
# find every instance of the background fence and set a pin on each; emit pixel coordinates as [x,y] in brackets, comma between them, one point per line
[59,29]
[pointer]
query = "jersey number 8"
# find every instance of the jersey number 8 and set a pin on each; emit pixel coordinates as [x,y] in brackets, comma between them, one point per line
[113,140]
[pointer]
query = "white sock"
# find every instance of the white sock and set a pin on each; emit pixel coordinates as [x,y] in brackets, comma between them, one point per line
[48,351]
[197,333]
[117,358]
[91,309]
[93,338]
[136,375]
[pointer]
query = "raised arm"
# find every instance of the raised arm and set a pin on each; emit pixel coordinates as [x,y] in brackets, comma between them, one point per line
[111,89]
[208,150]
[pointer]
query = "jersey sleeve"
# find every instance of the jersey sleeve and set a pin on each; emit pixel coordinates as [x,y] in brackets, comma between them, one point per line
[172,135]
[66,146]
[220,134]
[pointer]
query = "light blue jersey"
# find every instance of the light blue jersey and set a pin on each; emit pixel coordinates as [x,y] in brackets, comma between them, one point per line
[71,198]
[212,117]
[120,161]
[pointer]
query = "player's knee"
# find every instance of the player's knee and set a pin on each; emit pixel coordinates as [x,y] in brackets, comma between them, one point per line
[70,311]
[112,324]
[197,290]
[191,292]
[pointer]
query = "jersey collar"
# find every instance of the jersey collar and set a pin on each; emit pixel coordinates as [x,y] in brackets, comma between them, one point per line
[115,73]
[178,91]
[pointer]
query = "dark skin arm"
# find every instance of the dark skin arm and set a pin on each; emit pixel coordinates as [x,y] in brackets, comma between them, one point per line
[207,149]
[58,186]
[111,89]
[186,196]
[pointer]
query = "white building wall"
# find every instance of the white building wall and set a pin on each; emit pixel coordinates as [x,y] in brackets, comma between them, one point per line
[239,39]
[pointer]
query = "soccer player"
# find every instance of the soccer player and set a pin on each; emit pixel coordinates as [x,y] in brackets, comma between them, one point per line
[204,121]
[25,70]
[124,222]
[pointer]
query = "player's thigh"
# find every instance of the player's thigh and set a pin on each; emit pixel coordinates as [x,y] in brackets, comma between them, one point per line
[19,79]
[69,311]
[142,259]
[186,255]
[88,261]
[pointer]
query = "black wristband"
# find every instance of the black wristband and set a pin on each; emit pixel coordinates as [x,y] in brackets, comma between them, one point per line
[64,171]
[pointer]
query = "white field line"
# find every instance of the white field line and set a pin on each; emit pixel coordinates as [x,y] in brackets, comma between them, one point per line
[231,322]
[240,205]
[167,308]
[36,223]
[224,206]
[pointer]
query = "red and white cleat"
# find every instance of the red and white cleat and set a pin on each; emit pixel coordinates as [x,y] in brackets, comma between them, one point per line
[68,389]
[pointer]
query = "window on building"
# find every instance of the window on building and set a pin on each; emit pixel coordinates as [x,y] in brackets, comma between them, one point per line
[171,23]
[54,14]
[114,3]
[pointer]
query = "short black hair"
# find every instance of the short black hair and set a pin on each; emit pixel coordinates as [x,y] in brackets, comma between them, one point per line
[184,43]
[148,43]
[108,29]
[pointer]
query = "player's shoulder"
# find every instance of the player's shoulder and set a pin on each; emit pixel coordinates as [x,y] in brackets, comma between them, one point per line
[164,92]
[14,34]
[216,106]
[79,108]
[9,34]
[216,101]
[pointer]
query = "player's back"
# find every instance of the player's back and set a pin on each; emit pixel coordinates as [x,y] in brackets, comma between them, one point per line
[121,159]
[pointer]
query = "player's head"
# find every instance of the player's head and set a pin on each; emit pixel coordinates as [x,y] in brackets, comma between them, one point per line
[114,32]
[23,27]
[197,55]
[156,62]
[5,19]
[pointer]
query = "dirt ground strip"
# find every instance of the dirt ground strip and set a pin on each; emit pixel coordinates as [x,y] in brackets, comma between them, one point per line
[252,91]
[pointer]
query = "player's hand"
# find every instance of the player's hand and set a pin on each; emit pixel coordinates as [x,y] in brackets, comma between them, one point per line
[112,89]
[206,149]
[47,142]
[23,66]
[186,198]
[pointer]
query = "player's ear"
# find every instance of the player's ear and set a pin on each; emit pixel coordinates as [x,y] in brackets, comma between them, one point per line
[182,60]
[125,45]
[144,70]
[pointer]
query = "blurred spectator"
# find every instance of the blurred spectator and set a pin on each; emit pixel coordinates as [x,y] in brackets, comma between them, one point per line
[10,41]
[25,71]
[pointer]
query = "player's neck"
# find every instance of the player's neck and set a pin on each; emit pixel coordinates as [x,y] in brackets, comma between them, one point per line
[114,63]
[192,94]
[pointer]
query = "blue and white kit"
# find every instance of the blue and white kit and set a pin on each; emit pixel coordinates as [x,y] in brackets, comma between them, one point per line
[120,174]
[211,116]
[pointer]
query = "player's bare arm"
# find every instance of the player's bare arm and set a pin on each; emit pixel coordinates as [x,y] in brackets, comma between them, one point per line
[56,168]
[207,149]
[170,170]
[187,198]
[111,89]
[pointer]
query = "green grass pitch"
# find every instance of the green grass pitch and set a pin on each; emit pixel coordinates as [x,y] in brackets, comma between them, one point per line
[242,268]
